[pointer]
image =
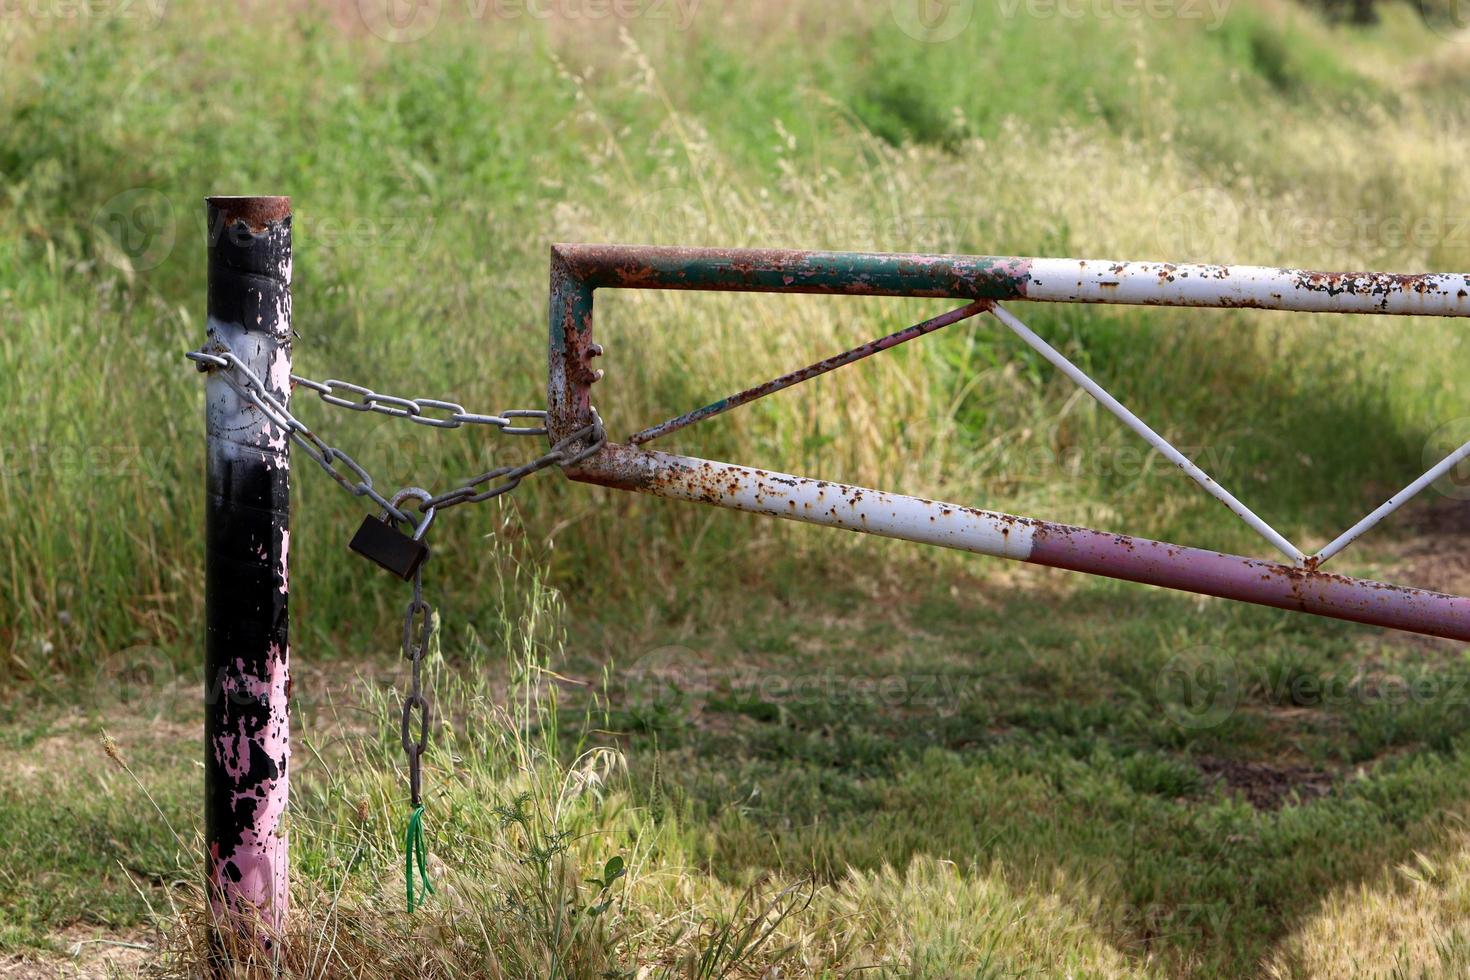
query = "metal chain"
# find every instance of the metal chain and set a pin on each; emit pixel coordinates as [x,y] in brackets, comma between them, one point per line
[418,619]
[414,409]
[592,437]
[418,628]
[470,491]
[357,481]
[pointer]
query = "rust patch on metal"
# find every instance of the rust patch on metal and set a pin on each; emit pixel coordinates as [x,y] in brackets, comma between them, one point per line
[257,213]
[1368,283]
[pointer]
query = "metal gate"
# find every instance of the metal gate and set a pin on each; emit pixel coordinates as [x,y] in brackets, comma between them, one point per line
[984,284]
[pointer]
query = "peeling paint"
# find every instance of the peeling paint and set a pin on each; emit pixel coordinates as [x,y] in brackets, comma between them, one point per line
[247,649]
[1026,539]
[577,271]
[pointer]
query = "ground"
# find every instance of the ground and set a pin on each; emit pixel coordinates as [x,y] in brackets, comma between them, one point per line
[881,722]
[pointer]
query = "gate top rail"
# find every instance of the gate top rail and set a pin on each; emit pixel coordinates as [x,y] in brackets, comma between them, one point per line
[1015,278]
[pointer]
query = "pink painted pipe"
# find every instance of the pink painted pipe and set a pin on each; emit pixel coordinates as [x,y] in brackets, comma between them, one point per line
[247,541]
[1039,542]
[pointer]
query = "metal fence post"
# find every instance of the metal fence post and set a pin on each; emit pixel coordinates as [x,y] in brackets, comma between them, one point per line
[247,539]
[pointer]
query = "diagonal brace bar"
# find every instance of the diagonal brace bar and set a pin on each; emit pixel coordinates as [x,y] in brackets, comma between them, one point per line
[1392,504]
[810,371]
[1149,435]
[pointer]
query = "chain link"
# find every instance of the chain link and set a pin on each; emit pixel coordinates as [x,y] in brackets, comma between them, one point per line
[425,411]
[418,629]
[590,437]
[450,415]
[249,387]
[418,620]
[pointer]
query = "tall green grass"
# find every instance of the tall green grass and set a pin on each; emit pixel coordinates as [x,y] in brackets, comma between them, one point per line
[429,179]
[1041,810]
[547,860]
[1067,825]
[540,864]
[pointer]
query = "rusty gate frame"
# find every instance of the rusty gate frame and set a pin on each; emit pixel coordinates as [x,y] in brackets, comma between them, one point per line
[984,283]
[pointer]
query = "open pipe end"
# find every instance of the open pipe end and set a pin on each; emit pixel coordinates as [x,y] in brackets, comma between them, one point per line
[256,212]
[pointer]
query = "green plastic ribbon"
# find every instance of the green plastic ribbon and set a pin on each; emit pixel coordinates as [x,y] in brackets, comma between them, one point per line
[415,853]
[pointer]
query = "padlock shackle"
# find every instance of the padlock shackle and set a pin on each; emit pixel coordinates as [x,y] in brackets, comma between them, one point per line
[423,497]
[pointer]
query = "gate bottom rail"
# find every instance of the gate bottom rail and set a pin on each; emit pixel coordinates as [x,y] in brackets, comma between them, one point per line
[1026,539]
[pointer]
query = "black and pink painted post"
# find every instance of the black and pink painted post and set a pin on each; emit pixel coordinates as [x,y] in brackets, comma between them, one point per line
[247,540]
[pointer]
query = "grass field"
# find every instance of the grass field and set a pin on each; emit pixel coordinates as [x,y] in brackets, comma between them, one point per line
[688,743]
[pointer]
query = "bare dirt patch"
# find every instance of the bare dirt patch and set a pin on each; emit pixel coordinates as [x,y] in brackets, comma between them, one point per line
[1267,786]
[86,954]
[1434,552]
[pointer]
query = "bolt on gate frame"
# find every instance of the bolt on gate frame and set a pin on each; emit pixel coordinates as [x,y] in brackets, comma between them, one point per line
[984,284]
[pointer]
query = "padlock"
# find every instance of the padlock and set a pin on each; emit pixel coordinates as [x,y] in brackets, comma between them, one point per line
[379,540]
